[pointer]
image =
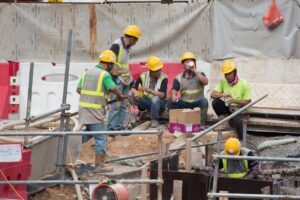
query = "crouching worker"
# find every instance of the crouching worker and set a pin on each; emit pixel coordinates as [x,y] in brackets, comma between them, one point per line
[229,95]
[190,84]
[94,86]
[248,169]
[150,90]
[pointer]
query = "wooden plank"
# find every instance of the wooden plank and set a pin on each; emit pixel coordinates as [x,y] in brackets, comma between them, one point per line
[274,122]
[188,155]
[177,189]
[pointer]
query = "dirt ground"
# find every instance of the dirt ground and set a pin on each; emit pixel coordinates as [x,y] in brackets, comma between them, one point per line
[119,146]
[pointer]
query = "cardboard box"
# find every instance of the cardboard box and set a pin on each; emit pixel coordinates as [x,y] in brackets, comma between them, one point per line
[185,120]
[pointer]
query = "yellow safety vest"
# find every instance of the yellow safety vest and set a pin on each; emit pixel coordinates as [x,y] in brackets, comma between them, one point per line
[93,93]
[145,76]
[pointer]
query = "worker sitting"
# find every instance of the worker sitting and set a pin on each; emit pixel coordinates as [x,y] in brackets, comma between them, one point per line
[190,84]
[248,169]
[150,90]
[229,95]
[94,86]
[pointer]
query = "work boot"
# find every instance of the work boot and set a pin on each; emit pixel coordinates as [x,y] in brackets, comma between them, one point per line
[154,123]
[99,164]
[224,127]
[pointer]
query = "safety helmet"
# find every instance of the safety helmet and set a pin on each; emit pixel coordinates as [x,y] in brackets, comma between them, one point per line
[232,146]
[154,63]
[228,66]
[187,55]
[133,30]
[107,56]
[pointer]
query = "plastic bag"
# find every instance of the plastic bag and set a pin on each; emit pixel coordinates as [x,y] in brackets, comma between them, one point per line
[273,17]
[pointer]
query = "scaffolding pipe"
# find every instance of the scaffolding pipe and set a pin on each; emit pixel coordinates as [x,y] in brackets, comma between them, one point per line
[160,166]
[46,114]
[29,96]
[225,119]
[259,158]
[146,132]
[252,196]
[81,182]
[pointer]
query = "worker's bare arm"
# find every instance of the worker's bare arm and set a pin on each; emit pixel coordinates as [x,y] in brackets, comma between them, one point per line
[78,90]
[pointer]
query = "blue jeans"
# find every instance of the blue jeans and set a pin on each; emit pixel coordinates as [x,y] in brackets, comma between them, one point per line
[202,103]
[118,110]
[101,140]
[154,105]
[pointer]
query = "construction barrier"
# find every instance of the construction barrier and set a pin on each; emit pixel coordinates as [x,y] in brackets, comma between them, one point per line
[14,170]
[9,90]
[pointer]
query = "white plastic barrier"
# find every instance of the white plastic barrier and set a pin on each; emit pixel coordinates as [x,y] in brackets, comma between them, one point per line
[206,68]
[47,89]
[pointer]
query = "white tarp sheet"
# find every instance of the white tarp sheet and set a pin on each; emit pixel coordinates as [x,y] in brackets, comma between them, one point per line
[38,32]
[238,29]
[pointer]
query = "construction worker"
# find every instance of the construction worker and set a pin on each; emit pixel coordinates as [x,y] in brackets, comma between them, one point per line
[121,48]
[94,86]
[190,84]
[229,95]
[150,90]
[248,169]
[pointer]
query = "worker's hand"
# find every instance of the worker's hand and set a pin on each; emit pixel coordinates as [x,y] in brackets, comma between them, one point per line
[231,101]
[144,89]
[174,99]
[226,95]
[115,72]
[121,97]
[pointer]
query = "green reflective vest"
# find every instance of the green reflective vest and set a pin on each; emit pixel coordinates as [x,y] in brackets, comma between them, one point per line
[236,168]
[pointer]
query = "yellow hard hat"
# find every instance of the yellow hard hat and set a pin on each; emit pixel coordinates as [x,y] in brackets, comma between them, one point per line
[133,30]
[187,55]
[107,56]
[228,66]
[232,146]
[154,63]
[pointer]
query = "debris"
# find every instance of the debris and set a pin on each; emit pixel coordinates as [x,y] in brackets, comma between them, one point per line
[271,143]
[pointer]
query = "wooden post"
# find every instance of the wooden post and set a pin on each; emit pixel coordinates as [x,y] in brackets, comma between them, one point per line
[223,198]
[188,155]
[266,190]
[177,190]
[144,189]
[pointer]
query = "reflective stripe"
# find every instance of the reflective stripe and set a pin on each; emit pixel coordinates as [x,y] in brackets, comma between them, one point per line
[191,91]
[235,175]
[157,85]
[90,105]
[96,92]
[119,59]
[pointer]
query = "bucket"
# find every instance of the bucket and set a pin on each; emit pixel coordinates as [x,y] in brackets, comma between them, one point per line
[110,192]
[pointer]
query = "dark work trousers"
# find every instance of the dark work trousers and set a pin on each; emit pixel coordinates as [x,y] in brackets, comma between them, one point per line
[221,109]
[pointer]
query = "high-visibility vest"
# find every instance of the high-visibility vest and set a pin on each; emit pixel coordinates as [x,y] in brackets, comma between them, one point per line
[145,77]
[236,168]
[93,92]
[191,89]
[123,63]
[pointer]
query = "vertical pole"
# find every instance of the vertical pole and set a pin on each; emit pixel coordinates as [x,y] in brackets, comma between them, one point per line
[64,100]
[188,155]
[29,95]
[159,170]
[65,145]
[245,132]
[216,170]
